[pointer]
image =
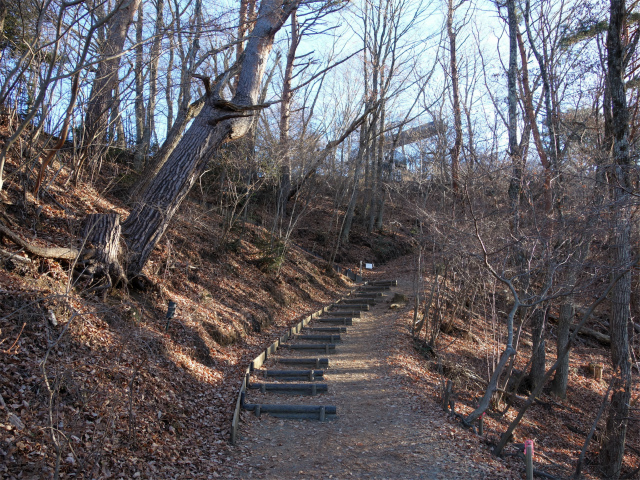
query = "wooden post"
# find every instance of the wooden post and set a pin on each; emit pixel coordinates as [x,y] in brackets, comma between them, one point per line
[481,424]
[528,455]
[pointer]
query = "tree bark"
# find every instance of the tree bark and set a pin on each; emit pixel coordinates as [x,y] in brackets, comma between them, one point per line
[140,152]
[102,232]
[185,115]
[512,100]
[105,78]
[285,120]
[561,377]
[613,445]
[154,58]
[218,122]
[363,146]
[457,115]
[538,354]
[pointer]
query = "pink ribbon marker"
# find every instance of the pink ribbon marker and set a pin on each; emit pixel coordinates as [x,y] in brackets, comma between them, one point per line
[528,444]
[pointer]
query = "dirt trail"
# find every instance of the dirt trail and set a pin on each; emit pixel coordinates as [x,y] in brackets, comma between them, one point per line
[379,431]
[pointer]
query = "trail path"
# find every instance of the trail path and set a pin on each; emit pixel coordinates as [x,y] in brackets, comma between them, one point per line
[380,431]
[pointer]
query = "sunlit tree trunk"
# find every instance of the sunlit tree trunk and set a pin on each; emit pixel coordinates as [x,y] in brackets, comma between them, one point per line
[169,88]
[106,76]
[218,122]
[187,110]
[512,100]
[140,152]
[285,120]
[455,92]
[363,146]
[613,443]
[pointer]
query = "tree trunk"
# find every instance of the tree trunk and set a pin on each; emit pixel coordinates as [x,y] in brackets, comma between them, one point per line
[538,354]
[613,445]
[531,115]
[561,376]
[102,232]
[218,122]
[141,149]
[169,87]
[187,110]
[363,146]
[514,152]
[457,115]
[116,119]
[105,78]
[376,172]
[185,115]
[154,58]
[285,121]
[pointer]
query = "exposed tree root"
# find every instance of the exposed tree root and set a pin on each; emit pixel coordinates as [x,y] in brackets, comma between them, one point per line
[57,253]
[98,263]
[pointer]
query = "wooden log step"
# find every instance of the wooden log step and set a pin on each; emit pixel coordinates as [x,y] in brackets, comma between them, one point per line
[335,320]
[371,294]
[374,288]
[310,375]
[293,388]
[316,412]
[315,362]
[319,338]
[363,307]
[361,300]
[327,347]
[342,313]
[325,329]
[383,283]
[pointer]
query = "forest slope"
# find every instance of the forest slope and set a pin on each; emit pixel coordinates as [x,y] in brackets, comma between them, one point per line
[120,387]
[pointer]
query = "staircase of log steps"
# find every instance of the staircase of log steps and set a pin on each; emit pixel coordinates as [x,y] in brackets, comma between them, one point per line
[298,361]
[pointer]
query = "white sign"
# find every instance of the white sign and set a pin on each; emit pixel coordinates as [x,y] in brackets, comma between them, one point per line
[368,266]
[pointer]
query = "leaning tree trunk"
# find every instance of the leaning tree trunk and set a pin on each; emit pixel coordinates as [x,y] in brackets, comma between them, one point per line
[153,167]
[218,122]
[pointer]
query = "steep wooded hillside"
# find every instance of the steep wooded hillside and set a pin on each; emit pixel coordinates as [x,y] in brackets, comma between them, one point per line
[98,385]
